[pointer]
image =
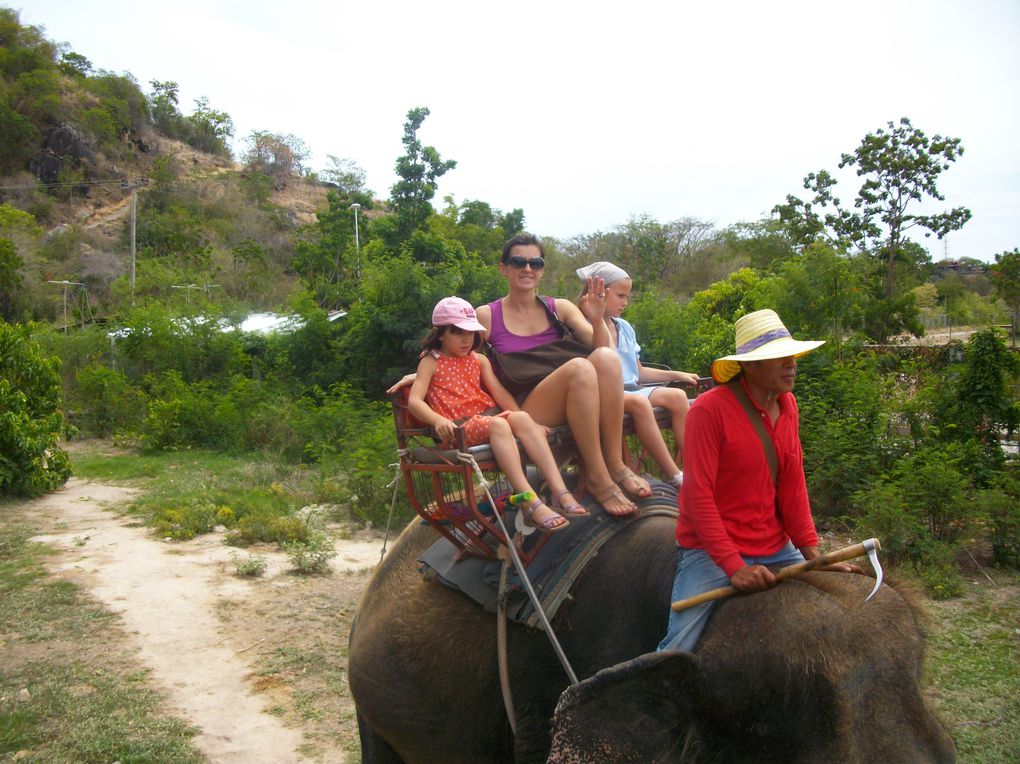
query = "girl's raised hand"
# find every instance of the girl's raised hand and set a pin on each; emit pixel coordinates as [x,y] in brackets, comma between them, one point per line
[593,302]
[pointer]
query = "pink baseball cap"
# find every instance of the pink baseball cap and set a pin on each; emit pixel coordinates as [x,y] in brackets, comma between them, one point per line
[456,312]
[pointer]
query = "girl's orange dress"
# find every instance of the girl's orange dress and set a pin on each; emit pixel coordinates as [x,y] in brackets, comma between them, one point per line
[455,392]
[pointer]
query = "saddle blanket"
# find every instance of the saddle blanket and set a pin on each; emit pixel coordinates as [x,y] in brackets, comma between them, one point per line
[555,567]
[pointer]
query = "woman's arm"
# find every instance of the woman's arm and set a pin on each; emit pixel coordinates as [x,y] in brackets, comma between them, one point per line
[416,400]
[404,381]
[589,327]
[495,388]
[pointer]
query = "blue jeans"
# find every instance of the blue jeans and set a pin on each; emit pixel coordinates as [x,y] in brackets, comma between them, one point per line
[696,573]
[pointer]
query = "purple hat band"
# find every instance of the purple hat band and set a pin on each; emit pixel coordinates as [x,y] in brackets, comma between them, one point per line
[763,339]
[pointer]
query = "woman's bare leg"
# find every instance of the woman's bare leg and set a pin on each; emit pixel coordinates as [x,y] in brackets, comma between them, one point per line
[570,395]
[648,432]
[504,448]
[675,401]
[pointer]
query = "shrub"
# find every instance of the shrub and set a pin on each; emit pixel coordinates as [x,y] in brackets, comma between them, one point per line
[251,566]
[313,554]
[925,511]
[261,526]
[108,402]
[1001,506]
[31,421]
[185,522]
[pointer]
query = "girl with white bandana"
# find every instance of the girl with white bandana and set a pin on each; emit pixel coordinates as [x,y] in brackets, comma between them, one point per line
[638,400]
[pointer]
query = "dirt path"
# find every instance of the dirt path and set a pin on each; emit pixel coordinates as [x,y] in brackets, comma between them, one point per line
[171,597]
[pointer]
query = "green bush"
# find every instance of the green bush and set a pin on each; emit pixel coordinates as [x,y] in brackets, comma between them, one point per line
[31,422]
[1000,505]
[311,555]
[925,511]
[186,521]
[107,402]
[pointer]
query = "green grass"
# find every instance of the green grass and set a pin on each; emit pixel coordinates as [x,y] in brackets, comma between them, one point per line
[67,693]
[974,670]
[190,492]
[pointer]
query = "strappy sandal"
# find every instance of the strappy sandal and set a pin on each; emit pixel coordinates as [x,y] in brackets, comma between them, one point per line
[571,510]
[612,492]
[626,479]
[549,525]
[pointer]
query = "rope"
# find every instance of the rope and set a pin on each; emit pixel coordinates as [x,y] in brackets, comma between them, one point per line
[393,502]
[469,459]
[504,669]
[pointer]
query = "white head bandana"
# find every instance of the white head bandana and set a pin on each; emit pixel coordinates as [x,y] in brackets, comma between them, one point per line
[603,270]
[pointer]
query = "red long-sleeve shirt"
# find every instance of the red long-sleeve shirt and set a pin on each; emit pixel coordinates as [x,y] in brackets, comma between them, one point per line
[726,502]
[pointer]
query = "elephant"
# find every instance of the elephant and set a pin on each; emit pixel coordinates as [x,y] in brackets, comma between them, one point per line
[804,672]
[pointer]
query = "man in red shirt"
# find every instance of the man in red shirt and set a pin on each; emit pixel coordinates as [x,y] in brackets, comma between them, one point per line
[735,518]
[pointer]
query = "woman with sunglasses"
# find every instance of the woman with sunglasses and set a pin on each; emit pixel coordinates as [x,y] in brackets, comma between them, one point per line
[584,393]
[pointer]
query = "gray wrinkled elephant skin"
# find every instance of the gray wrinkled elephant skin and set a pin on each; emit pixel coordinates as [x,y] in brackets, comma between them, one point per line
[805,672]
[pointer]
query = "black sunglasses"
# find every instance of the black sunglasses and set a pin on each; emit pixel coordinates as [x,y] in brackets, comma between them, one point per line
[518,262]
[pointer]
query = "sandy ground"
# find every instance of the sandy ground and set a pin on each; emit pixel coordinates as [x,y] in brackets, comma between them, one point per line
[199,627]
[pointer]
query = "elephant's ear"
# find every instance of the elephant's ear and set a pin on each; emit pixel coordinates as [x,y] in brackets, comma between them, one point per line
[633,711]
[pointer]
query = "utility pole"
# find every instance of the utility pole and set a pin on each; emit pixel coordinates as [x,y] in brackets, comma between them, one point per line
[133,185]
[65,283]
[188,287]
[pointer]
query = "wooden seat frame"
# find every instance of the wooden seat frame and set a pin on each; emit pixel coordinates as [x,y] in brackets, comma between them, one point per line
[441,486]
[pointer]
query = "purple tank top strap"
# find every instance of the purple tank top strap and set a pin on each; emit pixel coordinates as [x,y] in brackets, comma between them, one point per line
[506,342]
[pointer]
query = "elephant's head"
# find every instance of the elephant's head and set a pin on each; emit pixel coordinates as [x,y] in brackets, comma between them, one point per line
[804,674]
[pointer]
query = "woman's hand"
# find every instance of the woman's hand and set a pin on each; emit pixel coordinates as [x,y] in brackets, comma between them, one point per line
[404,381]
[593,302]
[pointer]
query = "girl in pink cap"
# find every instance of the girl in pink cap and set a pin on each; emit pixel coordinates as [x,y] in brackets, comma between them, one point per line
[448,389]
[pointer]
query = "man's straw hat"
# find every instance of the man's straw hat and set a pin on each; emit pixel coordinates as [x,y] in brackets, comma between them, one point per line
[760,336]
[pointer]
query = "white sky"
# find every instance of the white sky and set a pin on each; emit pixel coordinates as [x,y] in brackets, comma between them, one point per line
[587,113]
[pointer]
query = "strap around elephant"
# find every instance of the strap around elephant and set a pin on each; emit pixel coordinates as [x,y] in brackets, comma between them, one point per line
[754,415]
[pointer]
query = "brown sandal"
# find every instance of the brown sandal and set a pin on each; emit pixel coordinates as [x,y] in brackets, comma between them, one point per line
[570,510]
[611,493]
[626,479]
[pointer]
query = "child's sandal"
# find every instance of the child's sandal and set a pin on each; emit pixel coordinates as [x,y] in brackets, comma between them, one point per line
[551,524]
[571,510]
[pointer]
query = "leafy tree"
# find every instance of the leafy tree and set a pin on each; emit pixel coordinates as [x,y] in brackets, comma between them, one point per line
[279,157]
[166,116]
[987,403]
[419,169]
[23,48]
[31,422]
[10,278]
[820,292]
[346,175]
[18,139]
[75,64]
[210,129]
[1006,282]
[512,223]
[900,166]
[326,258]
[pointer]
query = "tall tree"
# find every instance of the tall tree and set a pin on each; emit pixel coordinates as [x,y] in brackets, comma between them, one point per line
[419,169]
[900,166]
[1006,281]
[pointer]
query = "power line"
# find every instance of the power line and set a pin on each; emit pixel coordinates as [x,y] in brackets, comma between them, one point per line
[67,184]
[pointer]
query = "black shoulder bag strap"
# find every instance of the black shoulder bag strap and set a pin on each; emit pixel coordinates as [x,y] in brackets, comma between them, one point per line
[759,427]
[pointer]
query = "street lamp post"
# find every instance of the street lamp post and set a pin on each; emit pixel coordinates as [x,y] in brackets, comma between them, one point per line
[357,247]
